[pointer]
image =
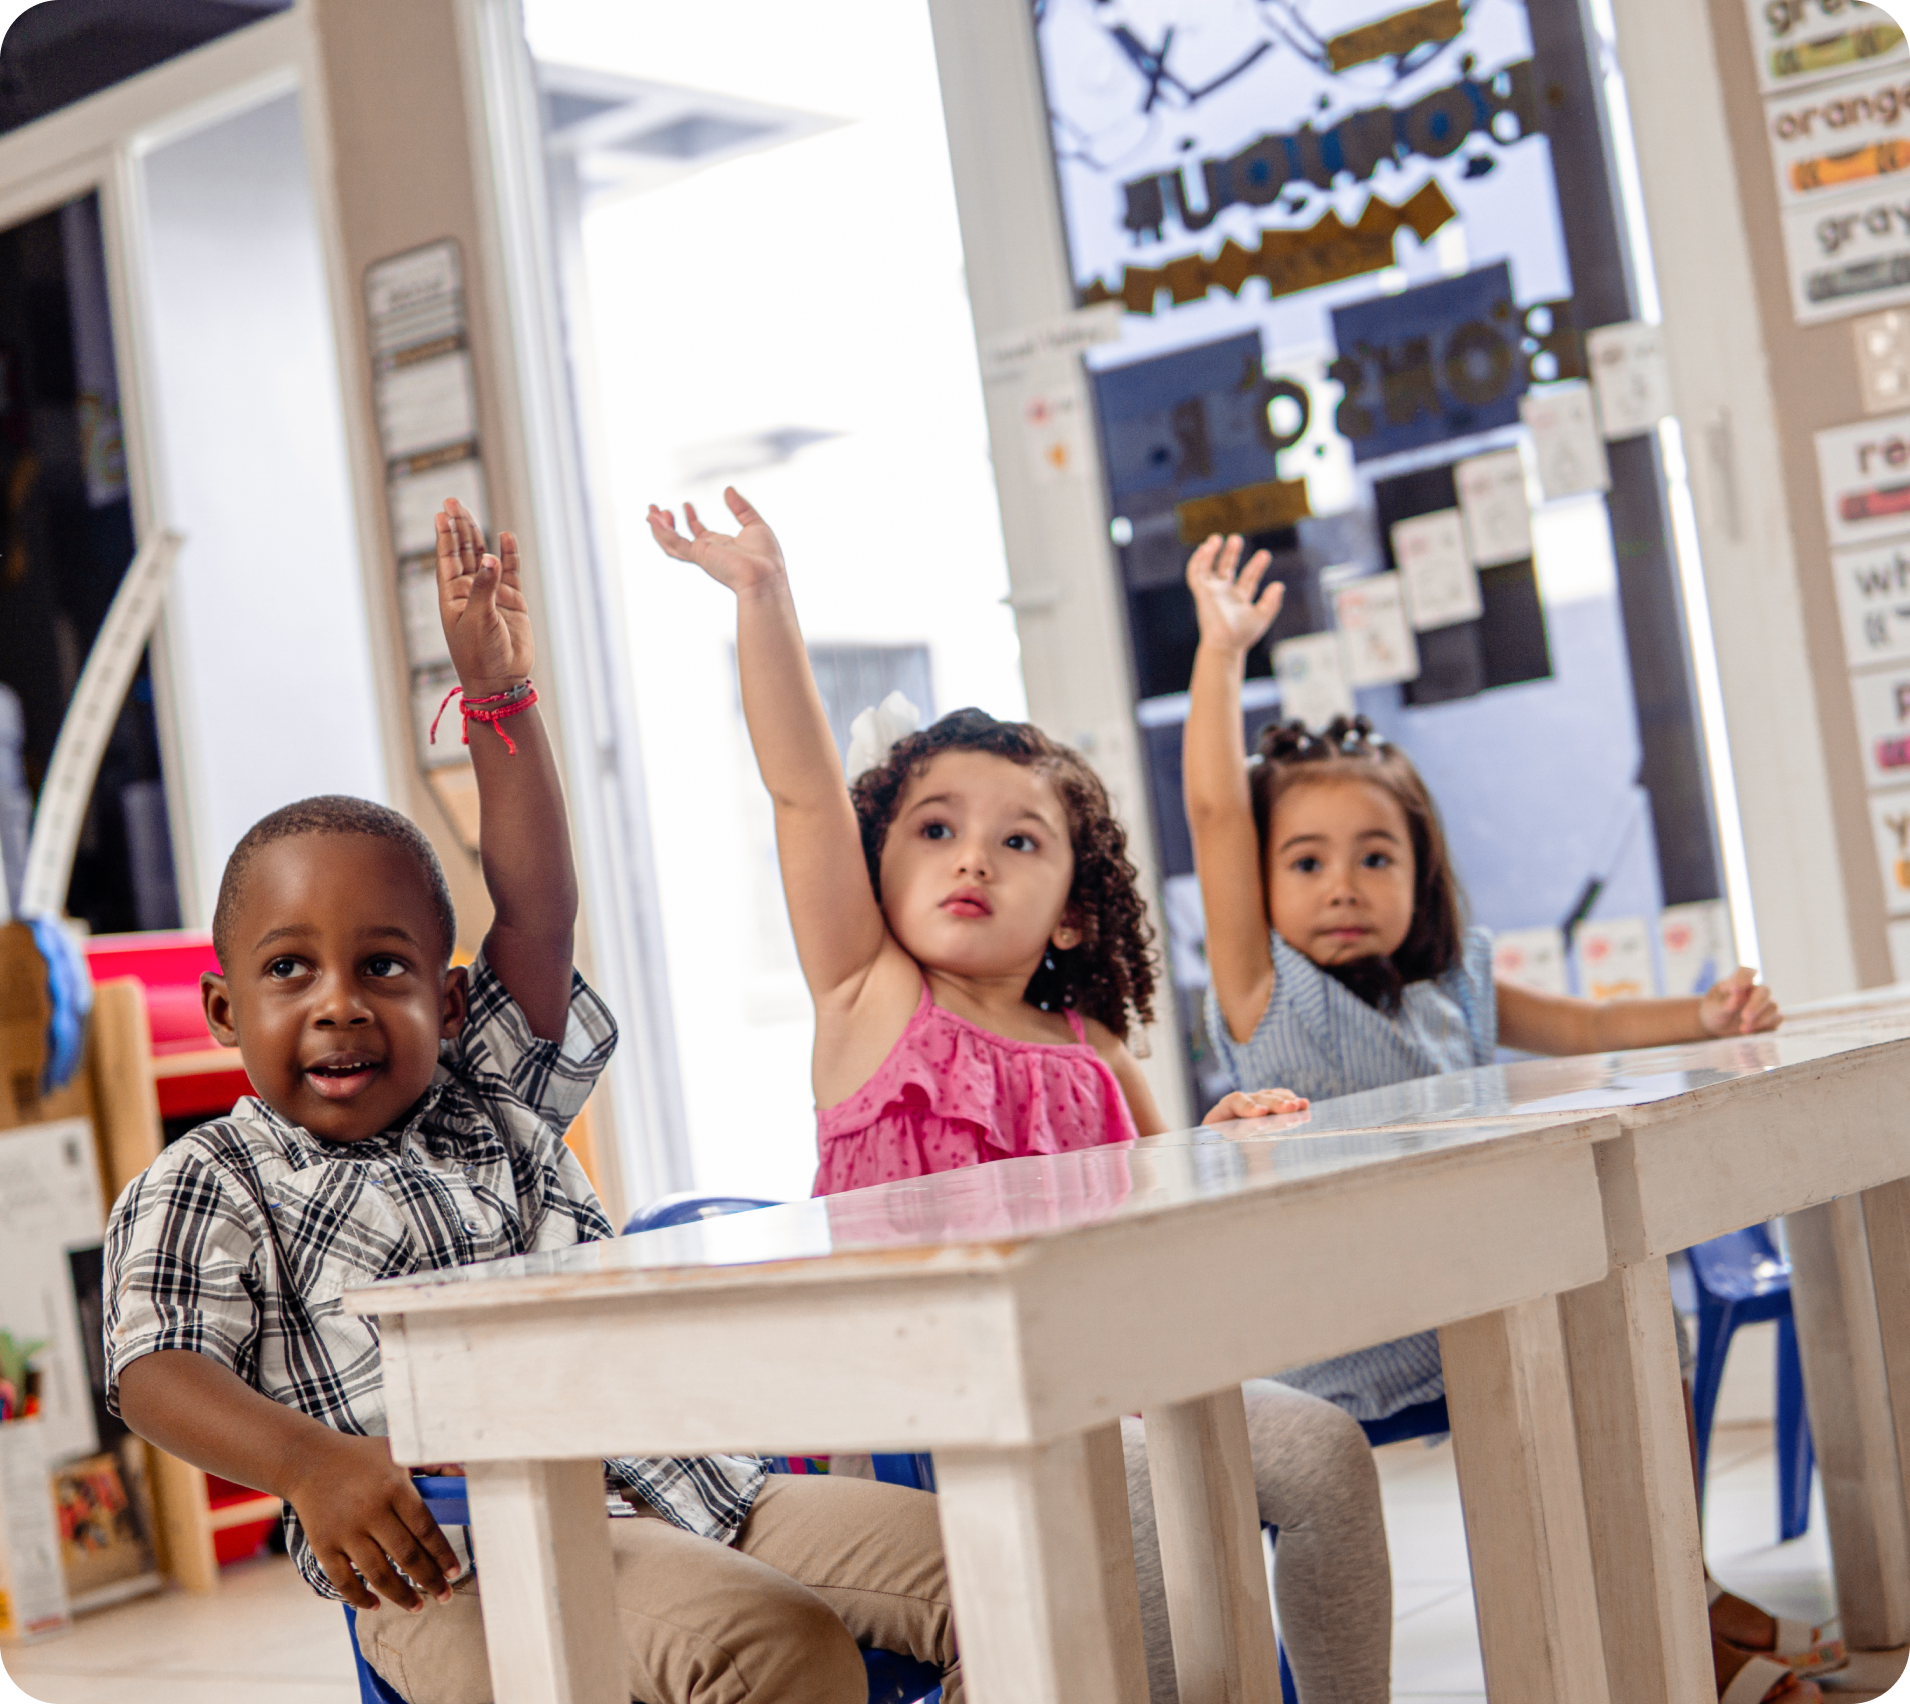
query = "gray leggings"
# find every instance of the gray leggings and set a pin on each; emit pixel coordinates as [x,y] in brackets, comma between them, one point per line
[1317,1483]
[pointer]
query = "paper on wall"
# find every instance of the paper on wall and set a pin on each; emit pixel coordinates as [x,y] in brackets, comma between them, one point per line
[1864,474]
[1435,570]
[1614,959]
[1493,504]
[1054,421]
[1565,440]
[33,1601]
[1531,958]
[1797,42]
[1873,598]
[1695,945]
[1844,138]
[1883,725]
[1378,648]
[425,643]
[426,404]
[1849,254]
[1630,377]
[416,496]
[1312,679]
[1890,830]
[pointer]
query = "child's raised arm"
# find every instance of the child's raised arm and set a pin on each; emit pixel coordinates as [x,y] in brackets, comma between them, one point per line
[524,834]
[832,909]
[1214,769]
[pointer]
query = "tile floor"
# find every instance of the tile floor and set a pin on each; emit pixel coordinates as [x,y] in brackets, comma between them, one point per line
[266,1640]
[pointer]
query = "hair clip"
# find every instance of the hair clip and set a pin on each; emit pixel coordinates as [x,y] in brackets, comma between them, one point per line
[876,732]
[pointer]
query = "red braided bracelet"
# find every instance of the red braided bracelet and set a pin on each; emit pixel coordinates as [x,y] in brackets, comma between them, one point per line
[511,702]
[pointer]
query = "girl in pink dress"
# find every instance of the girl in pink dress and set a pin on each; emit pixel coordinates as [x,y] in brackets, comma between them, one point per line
[966,917]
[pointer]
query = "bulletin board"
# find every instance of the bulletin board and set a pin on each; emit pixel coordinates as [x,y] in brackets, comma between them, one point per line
[1357,326]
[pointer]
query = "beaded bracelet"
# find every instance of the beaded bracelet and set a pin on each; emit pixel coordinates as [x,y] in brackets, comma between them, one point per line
[510,702]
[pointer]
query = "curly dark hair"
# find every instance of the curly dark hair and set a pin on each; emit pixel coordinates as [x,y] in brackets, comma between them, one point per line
[329,813]
[1290,756]
[1110,975]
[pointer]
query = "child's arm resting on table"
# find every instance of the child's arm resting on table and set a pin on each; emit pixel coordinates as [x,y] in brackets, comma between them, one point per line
[1552,1023]
[524,833]
[838,926]
[360,1511]
[1214,766]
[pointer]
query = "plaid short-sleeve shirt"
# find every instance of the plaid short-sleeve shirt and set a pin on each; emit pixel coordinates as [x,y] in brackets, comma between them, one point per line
[239,1241]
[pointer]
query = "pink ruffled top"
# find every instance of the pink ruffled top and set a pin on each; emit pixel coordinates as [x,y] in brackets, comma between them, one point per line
[953,1094]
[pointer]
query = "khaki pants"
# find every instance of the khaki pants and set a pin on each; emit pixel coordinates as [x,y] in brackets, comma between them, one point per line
[823,1565]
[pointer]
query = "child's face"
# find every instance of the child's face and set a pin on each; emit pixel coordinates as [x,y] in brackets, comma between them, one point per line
[336,994]
[1340,871]
[977,866]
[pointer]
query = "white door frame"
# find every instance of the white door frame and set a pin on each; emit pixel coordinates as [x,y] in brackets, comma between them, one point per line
[96,145]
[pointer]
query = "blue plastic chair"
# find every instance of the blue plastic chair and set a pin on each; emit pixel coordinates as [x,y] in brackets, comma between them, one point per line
[893,1679]
[1741,1278]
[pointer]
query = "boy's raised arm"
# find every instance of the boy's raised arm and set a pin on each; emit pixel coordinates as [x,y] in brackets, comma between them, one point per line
[523,832]
[1214,773]
[838,925]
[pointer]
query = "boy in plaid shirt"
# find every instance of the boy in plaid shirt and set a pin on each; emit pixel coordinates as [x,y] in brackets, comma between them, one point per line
[409,1115]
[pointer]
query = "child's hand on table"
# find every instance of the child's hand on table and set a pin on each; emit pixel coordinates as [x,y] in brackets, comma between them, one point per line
[1256,1103]
[1231,617]
[362,1515]
[1738,1004]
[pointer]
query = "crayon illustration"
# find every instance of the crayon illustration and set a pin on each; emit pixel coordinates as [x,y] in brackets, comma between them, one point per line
[1850,47]
[1832,171]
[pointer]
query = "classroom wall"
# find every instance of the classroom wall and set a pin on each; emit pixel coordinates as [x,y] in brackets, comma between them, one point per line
[272,663]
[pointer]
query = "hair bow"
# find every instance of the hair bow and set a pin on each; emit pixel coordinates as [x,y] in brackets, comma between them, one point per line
[873,734]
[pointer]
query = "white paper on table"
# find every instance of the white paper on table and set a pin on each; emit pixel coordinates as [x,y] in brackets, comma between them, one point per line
[426,405]
[1864,472]
[1531,958]
[1883,725]
[1565,440]
[1312,677]
[1441,584]
[1873,597]
[1890,829]
[1493,504]
[1054,421]
[415,499]
[1378,647]
[1694,945]
[1630,376]
[1614,959]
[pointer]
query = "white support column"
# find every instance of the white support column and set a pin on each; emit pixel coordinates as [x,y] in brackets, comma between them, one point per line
[1061,564]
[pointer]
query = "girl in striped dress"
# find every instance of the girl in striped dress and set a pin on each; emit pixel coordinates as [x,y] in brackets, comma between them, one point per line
[1340,961]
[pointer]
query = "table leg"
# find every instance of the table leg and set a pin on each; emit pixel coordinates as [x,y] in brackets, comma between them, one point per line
[1200,1461]
[1840,1342]
[543,1541]
[1640,1501]
[1513,1441]
[1887,1226]
[1023,1527]
[1114,1544]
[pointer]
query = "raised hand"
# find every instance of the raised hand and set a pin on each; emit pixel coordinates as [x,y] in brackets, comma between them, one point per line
[487,622]
[1231,616]
[1738,1004]
[751,558]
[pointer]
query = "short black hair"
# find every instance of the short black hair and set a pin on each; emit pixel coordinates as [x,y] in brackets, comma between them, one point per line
[330,813]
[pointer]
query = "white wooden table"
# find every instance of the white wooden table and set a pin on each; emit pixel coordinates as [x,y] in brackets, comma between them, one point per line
[1005,1317]
[1812,1122]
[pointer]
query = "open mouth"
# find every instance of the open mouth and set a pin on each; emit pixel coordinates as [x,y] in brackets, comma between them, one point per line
[341,1078]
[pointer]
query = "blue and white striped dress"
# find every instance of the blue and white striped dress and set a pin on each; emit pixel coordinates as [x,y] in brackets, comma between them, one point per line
[1320,1040]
